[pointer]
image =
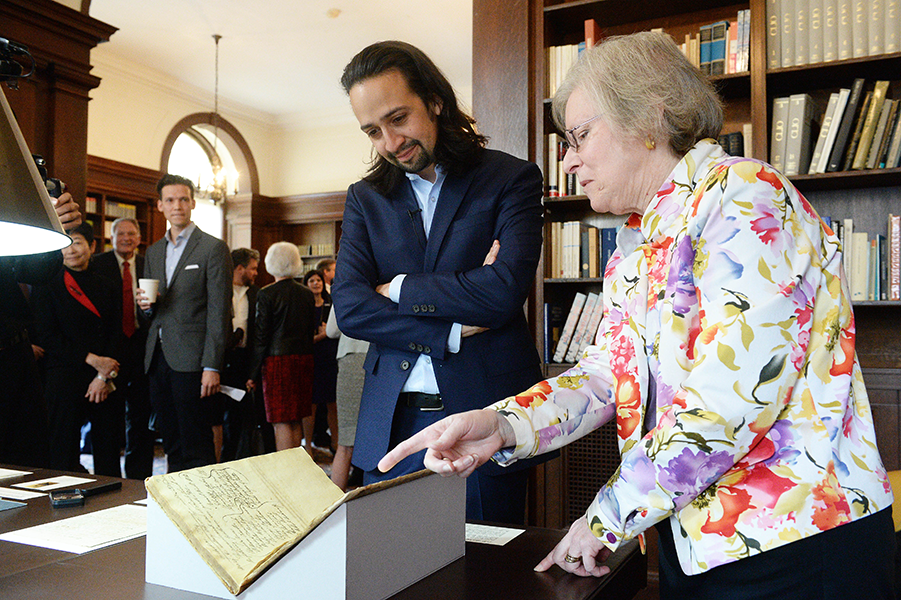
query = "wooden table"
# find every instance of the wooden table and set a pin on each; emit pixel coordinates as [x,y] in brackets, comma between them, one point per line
[117,572]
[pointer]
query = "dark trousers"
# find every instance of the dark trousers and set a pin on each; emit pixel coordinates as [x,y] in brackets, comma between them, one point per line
[23,409]
[497,498]
[132,384]
[68,409]
[854,560]
[182,417]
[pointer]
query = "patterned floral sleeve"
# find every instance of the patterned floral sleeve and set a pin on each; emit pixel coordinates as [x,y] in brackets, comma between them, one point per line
[733,303]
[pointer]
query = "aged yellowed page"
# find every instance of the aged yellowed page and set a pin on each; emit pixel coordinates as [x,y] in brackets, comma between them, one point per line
[241,516]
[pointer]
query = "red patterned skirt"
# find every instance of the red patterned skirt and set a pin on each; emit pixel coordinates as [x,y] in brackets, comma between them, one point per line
[288,387]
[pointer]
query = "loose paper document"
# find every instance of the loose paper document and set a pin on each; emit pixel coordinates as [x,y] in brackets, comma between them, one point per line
[486,534]
[10,473]
[8,504]
[19,494]
[86,532]
[53,483]
[234,393]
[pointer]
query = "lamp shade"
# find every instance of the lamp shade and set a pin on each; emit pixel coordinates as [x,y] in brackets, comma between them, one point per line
[28,221]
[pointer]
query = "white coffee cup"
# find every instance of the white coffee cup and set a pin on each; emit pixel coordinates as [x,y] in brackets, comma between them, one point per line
[151,288]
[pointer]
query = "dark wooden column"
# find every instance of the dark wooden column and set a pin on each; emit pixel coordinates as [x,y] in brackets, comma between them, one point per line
[51,105]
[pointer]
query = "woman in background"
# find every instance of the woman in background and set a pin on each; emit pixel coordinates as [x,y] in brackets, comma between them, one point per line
[325,362]
[78,322]
[283,347]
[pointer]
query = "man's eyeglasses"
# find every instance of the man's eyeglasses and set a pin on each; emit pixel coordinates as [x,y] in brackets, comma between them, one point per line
[573,141]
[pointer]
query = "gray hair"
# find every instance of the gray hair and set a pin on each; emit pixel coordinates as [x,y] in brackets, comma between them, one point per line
[283,260]
[644,86]
[120,220]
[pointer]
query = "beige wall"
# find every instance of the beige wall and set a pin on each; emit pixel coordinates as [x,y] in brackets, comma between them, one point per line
[133,110]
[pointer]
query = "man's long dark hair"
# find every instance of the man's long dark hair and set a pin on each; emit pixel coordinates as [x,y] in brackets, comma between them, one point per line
[459,145]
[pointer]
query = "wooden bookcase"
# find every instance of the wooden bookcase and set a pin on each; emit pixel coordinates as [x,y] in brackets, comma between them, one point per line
[117,189]
[511,43]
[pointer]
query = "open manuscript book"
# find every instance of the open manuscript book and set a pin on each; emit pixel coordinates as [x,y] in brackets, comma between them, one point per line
[242,516]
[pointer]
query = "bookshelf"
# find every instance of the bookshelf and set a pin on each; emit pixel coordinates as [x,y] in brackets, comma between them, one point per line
[116,190]
[313,222]
[561,489]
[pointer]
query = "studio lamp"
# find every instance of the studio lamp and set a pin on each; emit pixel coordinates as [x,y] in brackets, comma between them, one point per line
[28,221]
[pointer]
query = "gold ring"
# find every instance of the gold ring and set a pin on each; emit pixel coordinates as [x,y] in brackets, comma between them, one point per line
[572,559]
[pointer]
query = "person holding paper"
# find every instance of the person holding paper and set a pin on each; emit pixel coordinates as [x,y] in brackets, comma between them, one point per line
[726,355]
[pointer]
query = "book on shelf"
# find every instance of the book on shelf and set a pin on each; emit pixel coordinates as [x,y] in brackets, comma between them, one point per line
[588,260]
[894,257]
[876,28]
[874,284]
[845,125]
[773,34]
[860,255]
[747,134]
[719,34]
[733,143]
[593,33]
[569,326]
[705,36]
[830,30]
[860,25]
[778,137]
[798,134]
[591,331]
[815,29]
[732,52]
[885,146]
[802,32]
[825,126]
[847,231]
[572,353]
[845,30]
[554,318]
[854,140]
[883,267]
[893,156]
[874,111]
[878,145]
[608,246]
[787,35]
[831,131]
[892,26]
[553,189]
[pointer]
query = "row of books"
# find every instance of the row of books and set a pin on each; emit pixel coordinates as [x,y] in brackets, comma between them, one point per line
[738,143]
[723,47]
[316,249]
[111,209]
[872,265]
[578,250]
[858,128]
[801,32]
[557,181]
[565,339]
[561,58]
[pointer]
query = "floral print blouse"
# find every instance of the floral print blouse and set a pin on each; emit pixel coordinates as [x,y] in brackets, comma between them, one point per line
[726,309]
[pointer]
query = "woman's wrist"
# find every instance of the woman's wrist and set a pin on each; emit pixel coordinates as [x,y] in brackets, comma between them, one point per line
[101,378]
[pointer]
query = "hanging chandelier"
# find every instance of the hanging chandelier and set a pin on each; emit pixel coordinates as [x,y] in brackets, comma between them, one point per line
[218,187]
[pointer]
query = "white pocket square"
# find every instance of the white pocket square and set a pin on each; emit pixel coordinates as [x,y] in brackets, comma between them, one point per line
[189,267]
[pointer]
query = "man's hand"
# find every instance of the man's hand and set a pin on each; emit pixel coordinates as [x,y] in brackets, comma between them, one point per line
[457,444]
[106,366]
[581,544]
[67,211]
[209,383]
[144,303]
[468,330]
[383,289]
[38,352]
[492,254]
[250,384]
[97,391]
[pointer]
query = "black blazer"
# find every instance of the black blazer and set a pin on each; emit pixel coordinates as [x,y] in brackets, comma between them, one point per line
[285,322]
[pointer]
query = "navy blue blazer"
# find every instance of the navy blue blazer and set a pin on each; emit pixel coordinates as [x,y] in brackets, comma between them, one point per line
[446,283]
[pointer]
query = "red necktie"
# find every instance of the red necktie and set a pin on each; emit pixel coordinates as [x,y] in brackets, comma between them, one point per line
[128,301]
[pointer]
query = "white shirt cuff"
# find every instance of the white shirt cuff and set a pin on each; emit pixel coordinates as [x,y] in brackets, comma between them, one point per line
[453,340]
[394,288]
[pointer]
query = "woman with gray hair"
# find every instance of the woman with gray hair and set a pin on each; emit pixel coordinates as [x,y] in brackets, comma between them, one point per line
[726,355]
[283,347]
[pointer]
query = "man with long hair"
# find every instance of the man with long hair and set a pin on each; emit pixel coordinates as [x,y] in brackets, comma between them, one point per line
[440,243]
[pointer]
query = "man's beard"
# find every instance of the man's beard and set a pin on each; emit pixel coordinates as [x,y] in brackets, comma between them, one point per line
[422,160]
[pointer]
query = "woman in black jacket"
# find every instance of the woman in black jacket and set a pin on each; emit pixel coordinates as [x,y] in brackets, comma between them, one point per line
[283,347]
[78,323]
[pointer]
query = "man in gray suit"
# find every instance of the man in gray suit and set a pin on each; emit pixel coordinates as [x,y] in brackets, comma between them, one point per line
[189,327]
